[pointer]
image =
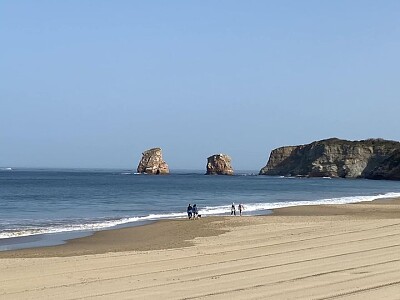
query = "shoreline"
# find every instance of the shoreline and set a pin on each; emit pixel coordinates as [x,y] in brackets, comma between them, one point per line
[157,235]
[349,251]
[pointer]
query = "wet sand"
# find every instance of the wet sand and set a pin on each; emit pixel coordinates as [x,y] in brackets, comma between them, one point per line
[305,252]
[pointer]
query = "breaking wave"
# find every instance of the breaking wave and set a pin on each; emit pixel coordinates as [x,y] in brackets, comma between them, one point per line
[205,211]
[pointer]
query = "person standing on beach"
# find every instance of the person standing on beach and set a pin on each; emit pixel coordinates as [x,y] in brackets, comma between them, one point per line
[195,211]
[189,211]
[240,207]
[233,209]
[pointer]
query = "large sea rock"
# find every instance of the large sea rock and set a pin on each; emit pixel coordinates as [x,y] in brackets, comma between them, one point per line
[152,162]
[333,158]
[219,164]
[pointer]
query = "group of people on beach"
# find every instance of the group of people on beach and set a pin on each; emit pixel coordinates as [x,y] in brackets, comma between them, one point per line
[192,211]
[240,209]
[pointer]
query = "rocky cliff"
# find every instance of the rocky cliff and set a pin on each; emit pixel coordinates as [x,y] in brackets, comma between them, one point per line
[152,162]
[219,164]
[331,157]
[388,169]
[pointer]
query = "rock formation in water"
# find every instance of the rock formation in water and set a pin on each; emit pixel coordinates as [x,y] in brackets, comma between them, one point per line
[219,164]
[388,169]
[152,162]
[331,158]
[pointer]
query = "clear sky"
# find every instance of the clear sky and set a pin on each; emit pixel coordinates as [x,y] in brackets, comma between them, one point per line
[95,83]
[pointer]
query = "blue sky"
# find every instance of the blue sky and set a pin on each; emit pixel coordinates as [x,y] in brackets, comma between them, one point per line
[95,83]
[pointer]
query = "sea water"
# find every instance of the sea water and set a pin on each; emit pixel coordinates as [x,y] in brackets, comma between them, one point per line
[46,207]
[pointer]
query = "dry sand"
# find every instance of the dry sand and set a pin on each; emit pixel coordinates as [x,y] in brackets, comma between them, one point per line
[311,252]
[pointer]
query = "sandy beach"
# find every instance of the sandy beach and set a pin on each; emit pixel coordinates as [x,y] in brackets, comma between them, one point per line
[308,252]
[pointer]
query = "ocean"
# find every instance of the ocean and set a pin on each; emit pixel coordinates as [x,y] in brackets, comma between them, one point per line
[47,207]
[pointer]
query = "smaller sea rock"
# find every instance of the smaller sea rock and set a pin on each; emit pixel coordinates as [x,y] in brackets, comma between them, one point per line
[152,162]
[219,164]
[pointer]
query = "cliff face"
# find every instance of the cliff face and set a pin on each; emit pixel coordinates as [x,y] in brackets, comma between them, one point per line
[388,169]
[219,164]
[152,162]
[332,157]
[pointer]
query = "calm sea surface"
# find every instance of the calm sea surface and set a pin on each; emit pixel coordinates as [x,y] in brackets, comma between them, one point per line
[44,207]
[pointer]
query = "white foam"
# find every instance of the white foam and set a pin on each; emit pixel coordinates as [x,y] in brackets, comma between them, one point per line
[208,210]
[253,207]
[88,226]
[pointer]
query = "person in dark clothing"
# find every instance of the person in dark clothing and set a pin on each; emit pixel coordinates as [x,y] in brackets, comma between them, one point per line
[195,211]
[190,211]
[233,209]
[240,207]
